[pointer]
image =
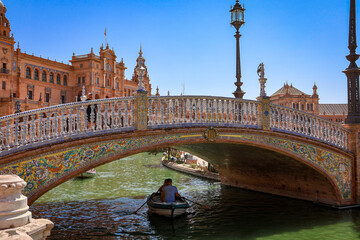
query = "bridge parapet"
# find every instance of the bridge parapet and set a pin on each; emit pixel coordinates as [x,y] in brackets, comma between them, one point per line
[300,123]
[93,118]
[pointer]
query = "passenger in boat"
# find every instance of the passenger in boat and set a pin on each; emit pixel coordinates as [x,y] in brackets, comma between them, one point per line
[168,191]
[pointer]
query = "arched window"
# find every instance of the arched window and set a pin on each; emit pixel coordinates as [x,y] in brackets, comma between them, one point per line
[58,79]
[28,73]
[65,80]
[108,67]
[52,77]
[36,74]
[44,79]
[107,82]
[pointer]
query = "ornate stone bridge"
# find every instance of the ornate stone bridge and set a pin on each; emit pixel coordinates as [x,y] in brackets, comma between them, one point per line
[253,144]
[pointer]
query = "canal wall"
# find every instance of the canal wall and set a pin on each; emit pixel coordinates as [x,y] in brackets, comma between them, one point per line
[194,172]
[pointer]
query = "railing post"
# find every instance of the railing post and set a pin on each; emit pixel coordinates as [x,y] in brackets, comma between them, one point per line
[264,113]
[141,110]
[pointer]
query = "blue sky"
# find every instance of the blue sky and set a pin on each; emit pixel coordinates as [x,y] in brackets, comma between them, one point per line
[192,42]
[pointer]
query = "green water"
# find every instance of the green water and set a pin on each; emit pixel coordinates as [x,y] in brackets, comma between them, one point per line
[102,208]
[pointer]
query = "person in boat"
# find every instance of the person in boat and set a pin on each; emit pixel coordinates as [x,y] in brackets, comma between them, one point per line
[168,192]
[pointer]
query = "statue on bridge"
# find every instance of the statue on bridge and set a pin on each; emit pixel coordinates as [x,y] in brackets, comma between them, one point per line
[262,79]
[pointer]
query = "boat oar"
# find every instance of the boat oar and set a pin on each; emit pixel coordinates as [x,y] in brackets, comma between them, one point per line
[140,207]
[201,205]
[143,204]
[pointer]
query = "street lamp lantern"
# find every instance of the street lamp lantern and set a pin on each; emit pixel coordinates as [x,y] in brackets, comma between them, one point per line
[237,15]
[237,20]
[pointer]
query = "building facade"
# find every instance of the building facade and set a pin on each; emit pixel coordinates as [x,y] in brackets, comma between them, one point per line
[289,96]
[30,82]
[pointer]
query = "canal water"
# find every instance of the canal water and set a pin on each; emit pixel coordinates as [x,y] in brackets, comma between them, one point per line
[102,208]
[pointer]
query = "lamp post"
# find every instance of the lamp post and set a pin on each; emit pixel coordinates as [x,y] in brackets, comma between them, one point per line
[237,20]
[353,71]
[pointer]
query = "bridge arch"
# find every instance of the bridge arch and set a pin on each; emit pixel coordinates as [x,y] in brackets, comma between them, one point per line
[46,168]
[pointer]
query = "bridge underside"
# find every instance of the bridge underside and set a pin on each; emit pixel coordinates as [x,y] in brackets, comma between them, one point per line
[264,161]
[266,171]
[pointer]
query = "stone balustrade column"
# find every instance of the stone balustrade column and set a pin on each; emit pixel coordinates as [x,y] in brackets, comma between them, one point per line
[15,219]
[264,113]
[13,205]
[141,110]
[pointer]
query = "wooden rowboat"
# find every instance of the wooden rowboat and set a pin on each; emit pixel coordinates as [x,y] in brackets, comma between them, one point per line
[88,174]
[166,209]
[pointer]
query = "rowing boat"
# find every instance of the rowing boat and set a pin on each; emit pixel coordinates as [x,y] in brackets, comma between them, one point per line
[166,209]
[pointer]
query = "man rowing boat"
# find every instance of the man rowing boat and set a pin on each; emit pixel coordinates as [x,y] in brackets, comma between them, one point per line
[168,191]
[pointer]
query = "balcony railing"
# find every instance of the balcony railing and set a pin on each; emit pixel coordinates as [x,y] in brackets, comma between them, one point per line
[4,70]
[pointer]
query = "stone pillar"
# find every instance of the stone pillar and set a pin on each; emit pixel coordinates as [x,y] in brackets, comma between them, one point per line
[354,147]
[264,113]
[13,205]
[141,110]
[15,219]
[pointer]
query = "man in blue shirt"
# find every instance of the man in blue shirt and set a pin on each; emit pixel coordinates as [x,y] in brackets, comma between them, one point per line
[168,191]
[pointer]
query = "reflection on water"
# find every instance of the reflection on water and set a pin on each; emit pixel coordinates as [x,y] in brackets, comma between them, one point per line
[102,208]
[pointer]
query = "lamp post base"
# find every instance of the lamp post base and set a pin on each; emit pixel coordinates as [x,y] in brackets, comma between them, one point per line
[239,94]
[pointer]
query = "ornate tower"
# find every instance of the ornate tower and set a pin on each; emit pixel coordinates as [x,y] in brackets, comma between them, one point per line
[353,72]
[140,61]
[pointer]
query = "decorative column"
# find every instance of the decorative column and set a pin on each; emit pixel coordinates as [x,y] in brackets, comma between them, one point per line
[15,218]
[14,211]
[264,106]
[237,20]
[353,72]
[141,102]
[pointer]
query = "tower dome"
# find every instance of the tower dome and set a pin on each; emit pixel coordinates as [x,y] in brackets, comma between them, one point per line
[1,4]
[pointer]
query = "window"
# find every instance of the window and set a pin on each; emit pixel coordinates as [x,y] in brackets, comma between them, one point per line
[4,66]
[83,80]
[47,97]
[79,80]
[52,77]
[117,85]
[81,65]
[4,33]
[30,95]
[44,76]
[3,85]
[28,73]
[63,100]
[97,81]
[36,74]
[302,107]
[108,67]
[65,80]
[58,79]
[107,82]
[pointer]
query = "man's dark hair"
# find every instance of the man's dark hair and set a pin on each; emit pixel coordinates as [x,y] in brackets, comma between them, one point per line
[168,180]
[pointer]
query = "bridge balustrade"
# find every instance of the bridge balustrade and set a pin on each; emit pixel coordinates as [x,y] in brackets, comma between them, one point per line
[297,122]
[67,120]
[93,118]
[183,111]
